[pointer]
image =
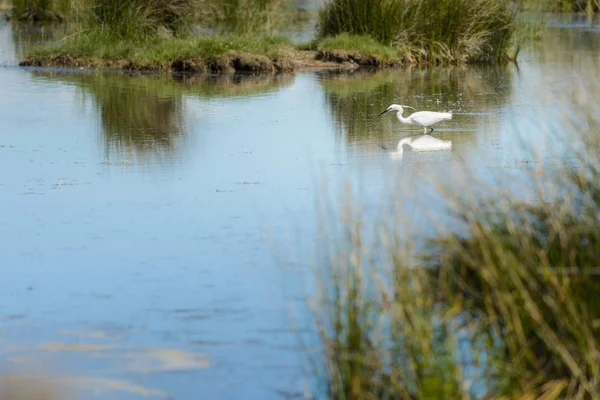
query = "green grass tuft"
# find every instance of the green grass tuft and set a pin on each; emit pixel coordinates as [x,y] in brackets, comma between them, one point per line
[213,52]
[145,18]
[450,31]
[360,43]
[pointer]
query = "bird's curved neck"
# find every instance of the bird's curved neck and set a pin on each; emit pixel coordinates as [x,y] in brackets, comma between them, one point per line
[402,119]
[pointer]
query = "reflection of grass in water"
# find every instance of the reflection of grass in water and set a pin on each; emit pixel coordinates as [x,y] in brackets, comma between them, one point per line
[146,113]
[351,84]
[355,99]
[232,85]
[38,374]
[173,85]
[136,114]
[503,305]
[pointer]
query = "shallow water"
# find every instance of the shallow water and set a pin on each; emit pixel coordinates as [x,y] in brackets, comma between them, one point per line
[155,231]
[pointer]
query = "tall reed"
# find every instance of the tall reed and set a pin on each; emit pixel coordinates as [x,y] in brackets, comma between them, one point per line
[147,18]
[128,19]
[450,30]
[142,19]
[244,17]
[41,10]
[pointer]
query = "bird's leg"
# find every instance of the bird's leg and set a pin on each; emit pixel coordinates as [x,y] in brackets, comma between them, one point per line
[431,129]
[425,129]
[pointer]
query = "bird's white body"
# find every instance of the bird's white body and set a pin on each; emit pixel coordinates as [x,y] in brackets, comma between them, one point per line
[424,118]
[420,118]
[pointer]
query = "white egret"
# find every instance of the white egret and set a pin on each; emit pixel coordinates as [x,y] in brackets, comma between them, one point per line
[421,118]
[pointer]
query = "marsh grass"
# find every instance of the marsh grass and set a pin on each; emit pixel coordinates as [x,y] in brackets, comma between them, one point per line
[160,35]
[219,53]
[245,17]
[503,305]
[123,18]
[203,53]
[364,44]
[453,31]
[141,19]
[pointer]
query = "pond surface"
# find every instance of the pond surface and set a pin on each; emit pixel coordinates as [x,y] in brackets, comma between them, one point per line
[155,231]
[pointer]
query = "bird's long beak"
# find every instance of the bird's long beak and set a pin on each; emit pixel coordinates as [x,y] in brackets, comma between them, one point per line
[383,112]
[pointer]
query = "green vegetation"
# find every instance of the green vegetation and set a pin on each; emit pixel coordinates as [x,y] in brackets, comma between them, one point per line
[364,44]
[141,19]
[157,34]
[450,31]
[363,50]
[216,53]
[209,53]
[502,306]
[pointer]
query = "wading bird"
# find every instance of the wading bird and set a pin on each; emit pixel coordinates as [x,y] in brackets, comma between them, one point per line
[421,118]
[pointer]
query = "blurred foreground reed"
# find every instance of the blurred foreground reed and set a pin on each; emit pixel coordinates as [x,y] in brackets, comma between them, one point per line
[500,305]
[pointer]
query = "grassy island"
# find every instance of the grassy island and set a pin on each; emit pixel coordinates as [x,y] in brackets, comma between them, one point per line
[159,35]
[215,54]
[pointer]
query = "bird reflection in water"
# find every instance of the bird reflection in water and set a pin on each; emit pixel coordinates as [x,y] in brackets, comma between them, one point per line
[420,143]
